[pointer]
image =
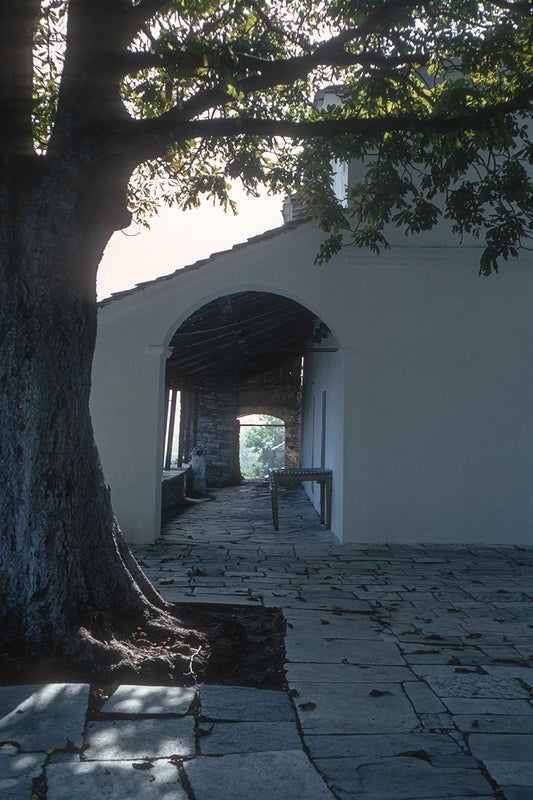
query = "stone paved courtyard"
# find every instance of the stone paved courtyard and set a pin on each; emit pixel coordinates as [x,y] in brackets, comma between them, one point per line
[413,650]
[409,671]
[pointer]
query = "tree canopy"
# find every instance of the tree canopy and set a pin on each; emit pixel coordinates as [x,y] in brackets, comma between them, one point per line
[434,97]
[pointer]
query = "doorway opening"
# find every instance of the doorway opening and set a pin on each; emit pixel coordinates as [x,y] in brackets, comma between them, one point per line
[261,444]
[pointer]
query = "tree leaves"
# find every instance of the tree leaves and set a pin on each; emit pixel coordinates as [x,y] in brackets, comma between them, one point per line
[448,84]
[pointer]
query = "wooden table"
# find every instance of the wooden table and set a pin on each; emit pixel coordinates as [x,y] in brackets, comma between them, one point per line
[322,476]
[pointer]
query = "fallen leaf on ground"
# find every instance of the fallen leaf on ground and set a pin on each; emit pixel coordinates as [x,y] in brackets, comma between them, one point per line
[307,706]
[422,754]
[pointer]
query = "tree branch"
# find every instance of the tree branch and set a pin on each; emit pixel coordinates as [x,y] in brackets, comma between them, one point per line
[132,62]
[141,13]
[153,137]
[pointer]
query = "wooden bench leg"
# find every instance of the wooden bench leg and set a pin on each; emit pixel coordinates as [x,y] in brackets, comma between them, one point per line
[274,499]
[328,506]
[322,499]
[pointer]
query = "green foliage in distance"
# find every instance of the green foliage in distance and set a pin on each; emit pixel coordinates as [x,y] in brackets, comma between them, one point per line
[434,103]
[259,443]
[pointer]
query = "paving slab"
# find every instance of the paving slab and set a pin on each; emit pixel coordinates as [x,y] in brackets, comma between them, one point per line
[301,672]
[330,625]
[354,708]
[518,792]
[13,696]
[493,723]
[402,778]
[123,739]
[262,776]
[501,747]
[243,704]
[129,700]
[17,773]
[249,737]
[424,700]
[487,705]
[49,716]
[114,780]
[308,647]
[433,722]
[481,686]
[512,773]
[437,746]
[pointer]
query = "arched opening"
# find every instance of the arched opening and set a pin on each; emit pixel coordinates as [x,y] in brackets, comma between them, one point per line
[237,355]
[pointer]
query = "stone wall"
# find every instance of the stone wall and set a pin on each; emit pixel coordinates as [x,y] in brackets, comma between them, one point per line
[278,394]
[209,411]
[209,417]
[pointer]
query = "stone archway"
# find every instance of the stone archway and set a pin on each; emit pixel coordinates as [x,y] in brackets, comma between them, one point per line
[240,353]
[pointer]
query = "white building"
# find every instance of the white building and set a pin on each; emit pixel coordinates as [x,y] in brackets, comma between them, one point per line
[419,399]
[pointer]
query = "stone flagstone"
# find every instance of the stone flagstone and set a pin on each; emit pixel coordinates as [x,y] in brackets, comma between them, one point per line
[114,780]
[243,704]
[287,775]
[149,701]
[123,739]
[249,737]
[17,773]
[50,716]
[354,708]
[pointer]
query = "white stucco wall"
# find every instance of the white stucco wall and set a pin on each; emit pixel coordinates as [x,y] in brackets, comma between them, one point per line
[438,407]
[434,425]
[323,408]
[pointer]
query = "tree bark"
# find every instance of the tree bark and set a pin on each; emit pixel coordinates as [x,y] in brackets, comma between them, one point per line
[65,568]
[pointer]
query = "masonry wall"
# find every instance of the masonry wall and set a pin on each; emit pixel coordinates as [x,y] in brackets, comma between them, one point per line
[276,393]
[216,427]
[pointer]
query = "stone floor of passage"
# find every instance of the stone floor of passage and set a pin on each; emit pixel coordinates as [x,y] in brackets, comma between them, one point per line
[409,675]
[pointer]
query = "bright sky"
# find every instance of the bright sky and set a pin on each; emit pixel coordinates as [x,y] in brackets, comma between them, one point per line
[178,238]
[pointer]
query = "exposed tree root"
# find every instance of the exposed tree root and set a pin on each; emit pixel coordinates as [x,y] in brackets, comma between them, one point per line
[162,649]
[243,646]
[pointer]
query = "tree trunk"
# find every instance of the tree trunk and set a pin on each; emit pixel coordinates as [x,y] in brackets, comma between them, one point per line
[64,565]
